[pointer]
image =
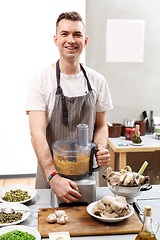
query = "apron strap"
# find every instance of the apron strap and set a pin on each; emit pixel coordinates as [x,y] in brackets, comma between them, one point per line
[65,111]
[85,74]
[59,89]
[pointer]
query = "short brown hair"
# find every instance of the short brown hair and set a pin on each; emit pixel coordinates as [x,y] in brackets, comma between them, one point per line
[73,16]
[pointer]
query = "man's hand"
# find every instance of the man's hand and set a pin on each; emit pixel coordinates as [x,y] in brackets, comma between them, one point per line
[65,189]
[102,156]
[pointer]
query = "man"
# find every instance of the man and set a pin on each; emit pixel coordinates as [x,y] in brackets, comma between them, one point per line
[62,96]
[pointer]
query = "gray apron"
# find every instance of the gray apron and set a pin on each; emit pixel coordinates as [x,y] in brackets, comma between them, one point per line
[68,112]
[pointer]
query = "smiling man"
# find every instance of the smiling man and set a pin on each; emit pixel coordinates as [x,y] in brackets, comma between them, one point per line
[62,96]
[70,40]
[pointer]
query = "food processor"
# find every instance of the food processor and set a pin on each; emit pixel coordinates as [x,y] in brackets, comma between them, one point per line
[74,160]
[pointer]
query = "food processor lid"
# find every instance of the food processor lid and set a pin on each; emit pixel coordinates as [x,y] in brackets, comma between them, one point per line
[67,146]
[76,145]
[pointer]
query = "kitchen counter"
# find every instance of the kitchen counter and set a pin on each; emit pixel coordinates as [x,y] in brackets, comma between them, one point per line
[43,199]
[122,147]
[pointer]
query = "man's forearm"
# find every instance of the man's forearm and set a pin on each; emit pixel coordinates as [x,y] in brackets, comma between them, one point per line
[38,123]
[101,136]
[43,154]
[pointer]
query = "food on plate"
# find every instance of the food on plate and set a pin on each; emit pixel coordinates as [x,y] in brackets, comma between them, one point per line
[16,234]
[124,177]
[111,207]
[16,196]
[10,217]
[59,216]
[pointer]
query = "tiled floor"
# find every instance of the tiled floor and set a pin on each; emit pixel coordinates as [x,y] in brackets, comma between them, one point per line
[27,181]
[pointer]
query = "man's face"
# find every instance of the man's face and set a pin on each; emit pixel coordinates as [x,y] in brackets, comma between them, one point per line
[70,38]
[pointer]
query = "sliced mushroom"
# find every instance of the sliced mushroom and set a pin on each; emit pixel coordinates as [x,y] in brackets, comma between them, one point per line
[124,177]
[111,207]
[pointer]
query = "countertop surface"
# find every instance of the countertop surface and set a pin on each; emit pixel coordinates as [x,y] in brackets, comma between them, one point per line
[43,200]
[149,142]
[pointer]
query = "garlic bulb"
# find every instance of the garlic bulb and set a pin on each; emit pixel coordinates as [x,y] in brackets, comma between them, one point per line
[51,218]
[62,219]
[59,216]
[60,213]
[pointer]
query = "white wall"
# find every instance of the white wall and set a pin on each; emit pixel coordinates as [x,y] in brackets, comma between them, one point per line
[26,47]
[134,86]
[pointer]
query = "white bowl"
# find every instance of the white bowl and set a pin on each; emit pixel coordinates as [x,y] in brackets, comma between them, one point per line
[118,219]
[31,191]
[130,192]
[15,206]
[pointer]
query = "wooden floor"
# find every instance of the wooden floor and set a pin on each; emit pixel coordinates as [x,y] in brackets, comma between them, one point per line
[26,181]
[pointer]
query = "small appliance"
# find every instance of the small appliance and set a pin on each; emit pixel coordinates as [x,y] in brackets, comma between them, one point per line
[74,160]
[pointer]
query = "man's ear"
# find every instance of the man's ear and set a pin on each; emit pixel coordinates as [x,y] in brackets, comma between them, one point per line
[86,41]
[55,40]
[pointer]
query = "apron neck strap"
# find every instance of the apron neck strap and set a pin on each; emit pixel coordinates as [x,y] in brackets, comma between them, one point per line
[85,74]
[59,89]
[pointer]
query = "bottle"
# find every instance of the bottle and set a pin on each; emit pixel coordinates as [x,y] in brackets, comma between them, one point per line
[136,138]
[147,232]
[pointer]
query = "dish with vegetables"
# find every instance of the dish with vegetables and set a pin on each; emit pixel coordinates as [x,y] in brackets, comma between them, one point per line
[104,216]
[10,217]
[17,193]
[7,219]
[125,177]
[19,232]
[16,234]
[127,183]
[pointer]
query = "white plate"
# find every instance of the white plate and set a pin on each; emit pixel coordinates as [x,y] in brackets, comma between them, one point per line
[15,206]
[31,191]
[136,144]
[119,219]
[30,230]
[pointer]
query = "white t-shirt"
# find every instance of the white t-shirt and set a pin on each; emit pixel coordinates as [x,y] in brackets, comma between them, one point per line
[42,89]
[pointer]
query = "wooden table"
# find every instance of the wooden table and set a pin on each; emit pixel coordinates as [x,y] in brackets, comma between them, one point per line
[116,146]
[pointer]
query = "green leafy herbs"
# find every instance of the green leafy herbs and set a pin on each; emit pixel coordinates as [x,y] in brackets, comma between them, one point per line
[17,235]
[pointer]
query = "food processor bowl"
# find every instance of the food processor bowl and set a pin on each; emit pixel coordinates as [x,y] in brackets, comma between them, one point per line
[74,158]
[71,160]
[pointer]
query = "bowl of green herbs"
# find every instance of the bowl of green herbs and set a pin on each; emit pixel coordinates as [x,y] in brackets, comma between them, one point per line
[19,232]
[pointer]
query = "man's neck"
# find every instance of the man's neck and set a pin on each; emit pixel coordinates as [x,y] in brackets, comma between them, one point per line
[69,68]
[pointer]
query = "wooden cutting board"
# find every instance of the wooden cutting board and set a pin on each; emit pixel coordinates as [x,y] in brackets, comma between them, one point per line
[82,224]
